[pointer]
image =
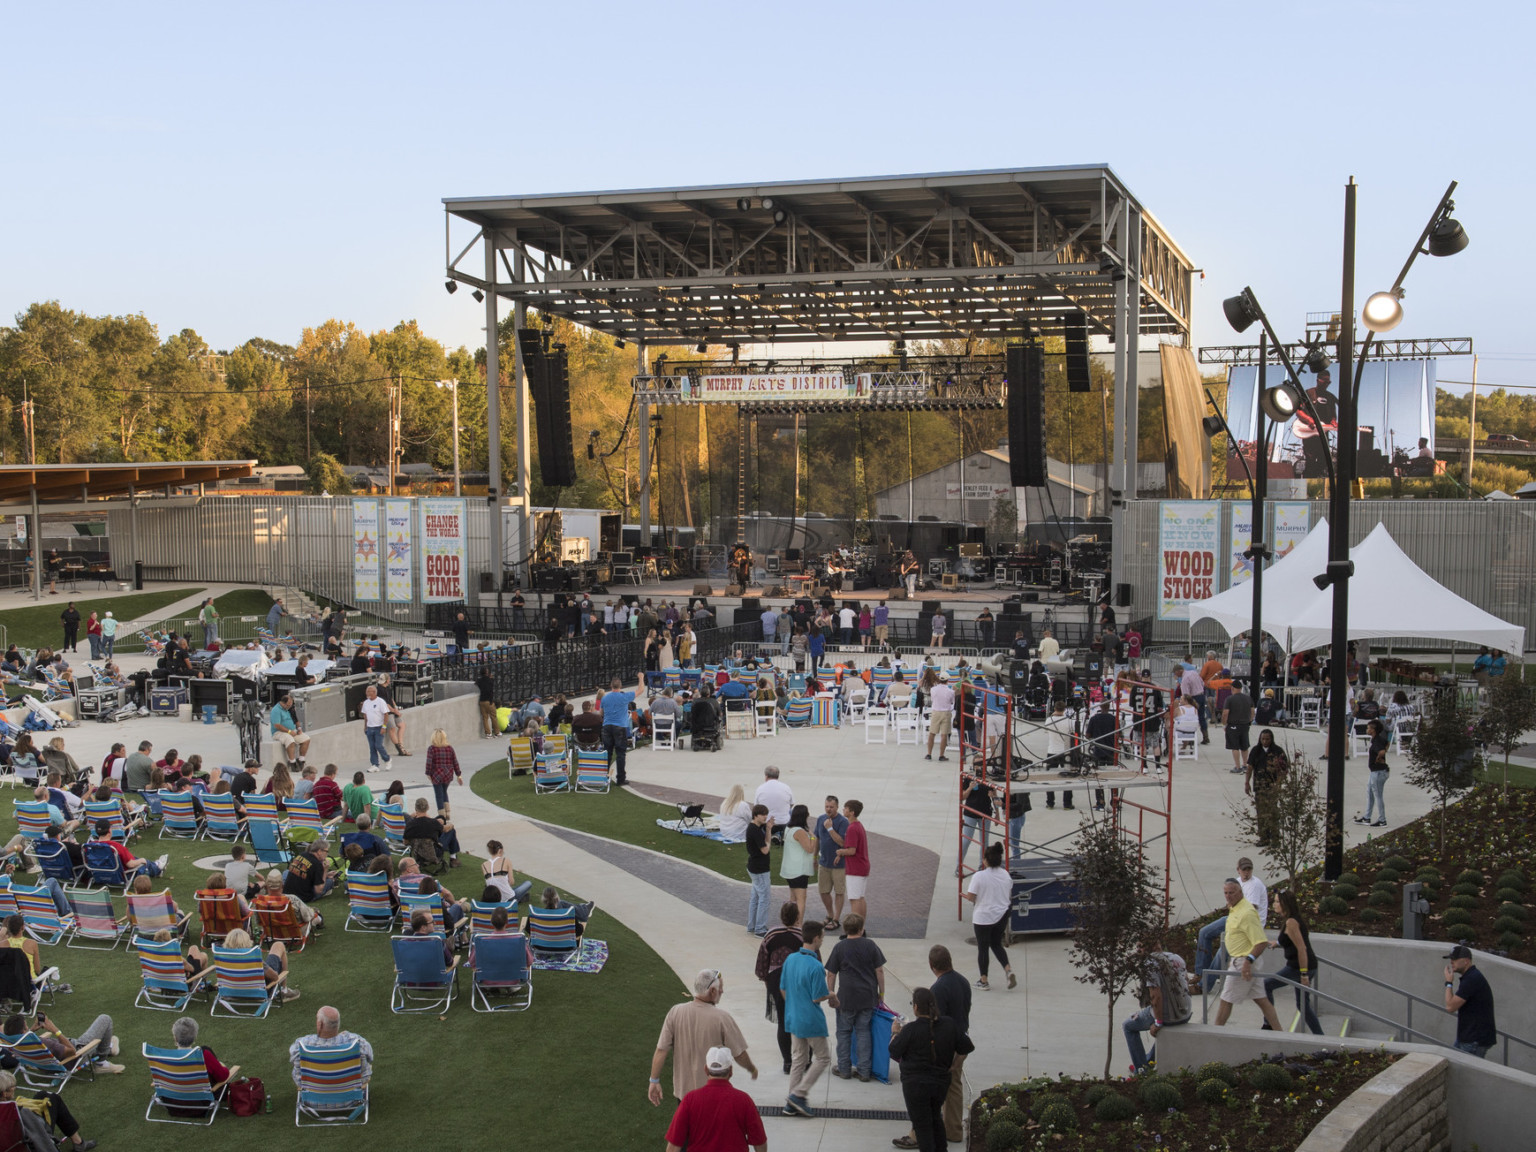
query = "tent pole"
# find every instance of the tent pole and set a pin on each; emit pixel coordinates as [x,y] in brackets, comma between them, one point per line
[1453,659]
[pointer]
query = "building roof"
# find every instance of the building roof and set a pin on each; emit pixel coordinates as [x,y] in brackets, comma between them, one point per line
[75,483]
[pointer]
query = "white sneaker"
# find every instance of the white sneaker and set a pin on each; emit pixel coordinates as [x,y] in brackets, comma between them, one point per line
[108,1066]
[160,864]
[115,1047]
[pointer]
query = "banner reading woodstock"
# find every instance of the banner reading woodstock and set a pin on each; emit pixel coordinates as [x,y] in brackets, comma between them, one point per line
[1292,523]
[1189,540]
[443,551]
[811,386]
[365,549]
[397,555]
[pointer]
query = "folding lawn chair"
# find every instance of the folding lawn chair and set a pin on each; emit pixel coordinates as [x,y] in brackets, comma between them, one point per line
[552,931]
[556,744]
[95,920]
[44,924]
[591,771]
[241,988]
[182,1086]
[480,916]
[166,987]
[219,911]
[53,858]
[420,977]
[519,756]
[555,777]
[221,819]
[690,816]
[333,1087]
[32,818]
[392,827]
[368,904]
[797,713]
[259,807]
[37,1067]
[110,811]
[152,911]
[306,814]
[178,816]
[267,839]
[432,904]
[7,901]
[664,733]
[17,987]
[501,963]
[13,1137]
[106,866]
[281,923]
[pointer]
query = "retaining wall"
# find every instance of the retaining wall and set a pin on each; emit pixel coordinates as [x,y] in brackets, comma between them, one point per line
[456,711]
[1402,1109]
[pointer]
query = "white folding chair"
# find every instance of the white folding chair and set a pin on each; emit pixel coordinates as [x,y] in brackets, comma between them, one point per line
[858,702]
[1359,738]
[767,718]
[1404,733]
[664,733]
[1311,714]
[1186,743]
[908,725]
[876,720]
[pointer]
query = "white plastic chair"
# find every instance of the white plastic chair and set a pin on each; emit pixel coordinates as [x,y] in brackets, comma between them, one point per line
[858,703]
[664,733]
[1186,743]
[876,719]
[1311,714]
[908,723]
[767,718]
[1359,738]
[1404,732]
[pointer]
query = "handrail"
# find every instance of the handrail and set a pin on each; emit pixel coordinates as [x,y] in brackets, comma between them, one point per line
[1205,994]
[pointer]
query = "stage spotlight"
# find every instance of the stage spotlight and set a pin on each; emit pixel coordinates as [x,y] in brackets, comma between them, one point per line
[1383,312]
[767,203]
[1315,361]
[479,296]
[452,286]
[743,205]
[1448,237]
[1241,310]
[779,216]
[701,347]
[620,342]
[1213,425]
[1280,403]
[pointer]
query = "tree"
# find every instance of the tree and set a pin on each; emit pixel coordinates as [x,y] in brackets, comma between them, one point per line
[1117,917]
[1440,760]
[1294,831]
[325,475]
[1509,715]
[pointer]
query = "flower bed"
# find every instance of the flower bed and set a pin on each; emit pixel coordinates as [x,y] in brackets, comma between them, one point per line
[1271,1104]
[1479,888]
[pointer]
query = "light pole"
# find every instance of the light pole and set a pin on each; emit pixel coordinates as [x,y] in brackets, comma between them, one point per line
[453,386]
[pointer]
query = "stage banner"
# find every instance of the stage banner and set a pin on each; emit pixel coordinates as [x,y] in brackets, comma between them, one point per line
[1189,540]
[976,491]
[1239,567]
[443,550]
[734,389]
[397,557]
[365,549]
[1292,523]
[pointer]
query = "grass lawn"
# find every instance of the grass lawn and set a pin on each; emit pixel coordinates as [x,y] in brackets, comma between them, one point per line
[39,624]
[618,815]
[1520,775]
[243,602]
[476,1080]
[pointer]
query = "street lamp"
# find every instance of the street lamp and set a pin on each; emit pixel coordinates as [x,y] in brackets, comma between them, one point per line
[453,386]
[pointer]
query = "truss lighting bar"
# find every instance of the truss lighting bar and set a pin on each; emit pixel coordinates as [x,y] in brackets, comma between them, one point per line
[1380,350]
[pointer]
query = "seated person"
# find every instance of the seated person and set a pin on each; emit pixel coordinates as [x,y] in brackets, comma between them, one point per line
[501,925]
[61,763]
[130,862]
[365,839]
[134,814]
[1267,711]
[666,705]
[898,693]
[735,814]
[304,786]
[1186,721]
[37,1125]
[309,876]
[533,710]
[734,689]
[171,764]
[560,712]
[328,1034]
[245,781]
[326,794]
[219,888]
[424,826]
[275,899]
[63,1048]
[421,925]
[24,759]
[454,911]
[184,787]
[275,961]
[184,1035]
[194,961]
[357,798]
[587,726]
[551,899]
[13,934]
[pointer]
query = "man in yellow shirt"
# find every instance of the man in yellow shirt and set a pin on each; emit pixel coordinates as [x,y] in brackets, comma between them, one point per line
[1245,942]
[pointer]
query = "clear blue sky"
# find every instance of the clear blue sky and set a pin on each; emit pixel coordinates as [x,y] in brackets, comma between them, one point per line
[249,170]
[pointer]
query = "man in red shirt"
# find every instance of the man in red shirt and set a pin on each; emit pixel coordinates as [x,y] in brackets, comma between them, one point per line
[327,793]
[130,862]
[717,1117]
[855,854]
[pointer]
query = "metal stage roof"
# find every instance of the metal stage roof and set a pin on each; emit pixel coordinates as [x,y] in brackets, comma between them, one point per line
[76,483]
[952,255]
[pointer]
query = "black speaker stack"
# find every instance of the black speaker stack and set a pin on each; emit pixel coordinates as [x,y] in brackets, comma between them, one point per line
[549,385]
[1026,415]
[1074,327]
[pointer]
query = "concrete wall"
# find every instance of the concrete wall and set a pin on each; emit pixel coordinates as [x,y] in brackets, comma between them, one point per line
[456,710]
[1403,1109]
[1491,1107]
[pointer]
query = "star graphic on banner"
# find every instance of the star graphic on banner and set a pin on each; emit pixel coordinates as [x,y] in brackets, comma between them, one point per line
[367,548]
[399,549]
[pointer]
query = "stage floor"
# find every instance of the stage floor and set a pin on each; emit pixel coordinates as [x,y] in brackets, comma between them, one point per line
[980,594]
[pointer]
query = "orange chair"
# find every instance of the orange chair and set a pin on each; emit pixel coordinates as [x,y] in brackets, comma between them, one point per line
[219,910]
[279,921]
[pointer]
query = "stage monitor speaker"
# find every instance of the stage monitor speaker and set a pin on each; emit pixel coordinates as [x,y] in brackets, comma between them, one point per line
[733,590]
[487,582]
[1074,327]
[1018,676]
[932,606]
[703,590]
[752,604]
[1026,416]
[895,593]
[1031,597]
[1122,595]
[549,385]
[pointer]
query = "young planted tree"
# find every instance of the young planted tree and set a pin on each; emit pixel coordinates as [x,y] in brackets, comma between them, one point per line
[1443,752]
[1509,715]
[1293,832]
[1118,916]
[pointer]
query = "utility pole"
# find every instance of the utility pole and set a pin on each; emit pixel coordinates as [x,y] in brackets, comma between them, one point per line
[1472,427]
[309,443]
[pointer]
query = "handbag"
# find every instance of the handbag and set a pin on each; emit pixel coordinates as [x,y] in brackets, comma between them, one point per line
[247,1095]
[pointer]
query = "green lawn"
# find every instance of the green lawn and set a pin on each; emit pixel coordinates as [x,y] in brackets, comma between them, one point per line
[39,624]
[1520,776]
[481,1080]
[243,602]
[618,815]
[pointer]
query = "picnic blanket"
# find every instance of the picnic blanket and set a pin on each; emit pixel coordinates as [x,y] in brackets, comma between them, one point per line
[590,957]
[705,833]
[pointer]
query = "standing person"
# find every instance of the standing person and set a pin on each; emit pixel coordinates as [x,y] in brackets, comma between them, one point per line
[991,893]
[986,624]
[717,1116]
[770,620]
[275,615]
[1245,942]
[1209,951]
[831,872]
[1376,782]
[70,618]
[866,623]
[1472,1002]
[799,646]
[818,645]
[1058,739]
[909,570]
[881,619]
[208,616]
[1192,688]
[857,966]
[1267,766]
[759,830]
[1235,719]
[798,862]
[953,996]
[442,769]
[939,626]
[776,947]
[1300,960]
[109,624]
[373,711]
[93,635]
[855,857]
[804,984]
[846,619]
[690,1030]
[485,685]
[926,1048]
[460,629]
[941,716]
[615,704]
[976,814]
[1166,987]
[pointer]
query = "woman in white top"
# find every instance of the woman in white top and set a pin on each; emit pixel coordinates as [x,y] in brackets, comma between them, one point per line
[799,862]
[991,891]
[498,873]
[735,814]
[664,658]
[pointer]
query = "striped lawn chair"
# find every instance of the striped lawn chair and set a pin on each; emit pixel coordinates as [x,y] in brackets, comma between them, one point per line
[432,904]
[556,744]
[178,816]
[41,1069]
[555,776]
[333,1087]
[501,963]
[392,827]
[221,819]
[797,712]
[422,983]
[553,759]
[241,988]
[368,906]
[480,916]
[182,1087]
[96,922]
[259,807]
[7,898]
[111,812]
[44,924]
[219,911]
[519,756]
[672,678]
[410,884]
[152,803]
[53,858]
[592,770]
[166,987]
[552,931]
[267,839]
[691,677]
[306,814]
[280,921]
[880,680]
[152,911]
[32,818]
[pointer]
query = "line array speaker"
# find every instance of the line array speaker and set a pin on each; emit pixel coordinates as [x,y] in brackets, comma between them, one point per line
[549,386]
[1026,415]
[1074,327]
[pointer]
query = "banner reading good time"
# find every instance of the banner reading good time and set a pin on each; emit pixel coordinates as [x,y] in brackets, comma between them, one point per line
[443,551]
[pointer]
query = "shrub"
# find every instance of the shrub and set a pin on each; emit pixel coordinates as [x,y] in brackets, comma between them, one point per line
[1004,1136]
[1509,941]
[1460,932]
[1012,1114]
[1457,916]
[1513,879]
[1430,893]
[1464,901]
[1516,910]
[1508,924]
[1333,906]
[1428,871]
[1381,899]
[1218,1071]
[1042,1102]
[1370,915]
[1114,1109]
[1059,1116]
[1097,1093]
[1399,863]
[1387,876]
[1159,1095]
[1470,876]
[1212,1091]
[1509,895]
[1345,891]
[1465,890]
[1270,1078]
[1348,878]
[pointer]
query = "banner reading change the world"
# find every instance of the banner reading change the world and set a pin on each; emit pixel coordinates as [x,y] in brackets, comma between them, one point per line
[443,550]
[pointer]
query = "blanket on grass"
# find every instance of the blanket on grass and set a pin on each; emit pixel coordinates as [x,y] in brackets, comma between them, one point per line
[590,957]
[705,833]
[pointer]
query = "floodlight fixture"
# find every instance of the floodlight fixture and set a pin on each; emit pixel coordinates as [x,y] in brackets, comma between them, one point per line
[1448,236]
[1280,403]
[1213,425]
[1383,311]
[1336,571]
[1242,310]
[1316,360]
[779,215]
[767,203]
[479,296]
[701,347]
[620,343]
[452,286]
[743,205]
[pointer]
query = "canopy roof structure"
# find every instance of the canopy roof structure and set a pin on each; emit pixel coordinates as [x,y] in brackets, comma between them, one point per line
[23,485]
[1287,588]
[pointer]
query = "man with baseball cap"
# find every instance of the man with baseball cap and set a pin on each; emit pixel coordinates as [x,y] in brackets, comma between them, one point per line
[1472,1002]
[717,1117]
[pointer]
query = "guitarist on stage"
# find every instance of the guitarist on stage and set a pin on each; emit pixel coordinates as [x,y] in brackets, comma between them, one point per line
[1314,439]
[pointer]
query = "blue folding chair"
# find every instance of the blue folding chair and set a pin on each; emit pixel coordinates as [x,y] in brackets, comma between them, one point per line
[105,866]
[221,819]
[166,987]
[178,816]
[421,979]
[182,1087]
[501,963]
[241,988]
[267,838]
[552,931]
[333,1087]
[53,858]
[38,1068]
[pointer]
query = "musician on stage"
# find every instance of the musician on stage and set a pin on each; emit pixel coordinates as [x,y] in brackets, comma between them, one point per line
[1314,439]
[909,570]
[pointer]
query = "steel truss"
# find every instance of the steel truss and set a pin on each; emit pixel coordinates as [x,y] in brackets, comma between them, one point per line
[1380,350]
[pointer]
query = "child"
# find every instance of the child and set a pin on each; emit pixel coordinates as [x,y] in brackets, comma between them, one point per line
[239,872]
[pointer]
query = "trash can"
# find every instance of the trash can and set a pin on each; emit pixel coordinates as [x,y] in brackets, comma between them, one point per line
[138,575]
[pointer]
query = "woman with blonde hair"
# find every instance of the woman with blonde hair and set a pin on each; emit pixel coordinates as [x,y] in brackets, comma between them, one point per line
[276,960]
[442,768]
[281,784]
[735,814]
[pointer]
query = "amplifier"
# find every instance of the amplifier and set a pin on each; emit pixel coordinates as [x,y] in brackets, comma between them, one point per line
[411,670]
[101,701]
[166,701]
[201,693]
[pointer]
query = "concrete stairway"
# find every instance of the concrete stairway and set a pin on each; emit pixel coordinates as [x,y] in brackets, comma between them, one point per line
[297,602]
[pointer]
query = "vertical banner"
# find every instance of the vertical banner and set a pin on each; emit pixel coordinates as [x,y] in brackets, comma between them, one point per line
[1292,523]
[1240,567]
[1189,540]
[365,549]
[443,550]
[397,557]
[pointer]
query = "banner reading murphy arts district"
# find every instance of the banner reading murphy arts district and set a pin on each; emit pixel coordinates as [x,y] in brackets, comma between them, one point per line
[1239,567]
[1189,541]
[444,559]
[397,557]
[1293,520]
[365,549]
